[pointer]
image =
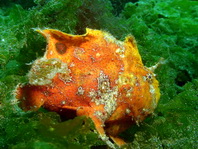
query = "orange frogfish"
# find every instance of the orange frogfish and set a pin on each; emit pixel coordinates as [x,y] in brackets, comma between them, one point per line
[93,75]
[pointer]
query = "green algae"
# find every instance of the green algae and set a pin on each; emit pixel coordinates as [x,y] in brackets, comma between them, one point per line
[162,29]
[44,130]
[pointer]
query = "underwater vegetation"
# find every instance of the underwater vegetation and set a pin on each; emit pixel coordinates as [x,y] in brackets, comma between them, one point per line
[167,29]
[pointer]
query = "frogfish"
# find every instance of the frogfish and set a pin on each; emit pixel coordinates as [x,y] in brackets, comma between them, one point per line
[93,75]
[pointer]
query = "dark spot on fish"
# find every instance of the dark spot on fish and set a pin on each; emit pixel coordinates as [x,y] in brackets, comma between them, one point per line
[149,78]
[60,48]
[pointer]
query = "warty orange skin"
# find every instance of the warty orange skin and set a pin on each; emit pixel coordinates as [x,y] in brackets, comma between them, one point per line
[93,75]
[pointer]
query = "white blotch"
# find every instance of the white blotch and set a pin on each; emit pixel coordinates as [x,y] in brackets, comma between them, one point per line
[63,102]
[44,70]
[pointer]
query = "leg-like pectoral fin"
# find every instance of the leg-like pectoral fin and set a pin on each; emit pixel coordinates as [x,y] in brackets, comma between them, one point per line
[118,141]
[99,124]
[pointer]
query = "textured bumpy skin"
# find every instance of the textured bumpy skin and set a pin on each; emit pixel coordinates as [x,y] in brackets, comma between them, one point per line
[94,75]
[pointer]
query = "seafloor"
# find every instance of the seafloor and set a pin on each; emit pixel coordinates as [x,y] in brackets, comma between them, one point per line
[167,29]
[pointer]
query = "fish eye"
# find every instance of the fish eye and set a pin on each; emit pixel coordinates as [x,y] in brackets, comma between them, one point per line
[149,77]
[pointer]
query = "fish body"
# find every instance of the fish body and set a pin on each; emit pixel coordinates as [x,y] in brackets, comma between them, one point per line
[94,75]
